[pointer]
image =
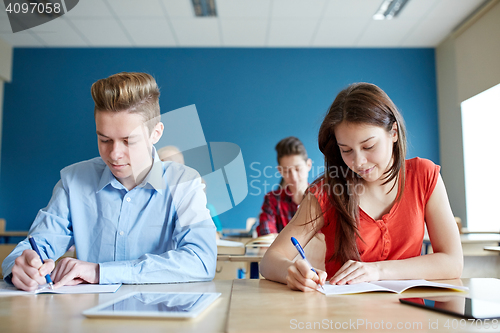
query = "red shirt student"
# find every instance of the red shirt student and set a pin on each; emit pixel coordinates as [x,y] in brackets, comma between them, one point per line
[386,238]
[371,204]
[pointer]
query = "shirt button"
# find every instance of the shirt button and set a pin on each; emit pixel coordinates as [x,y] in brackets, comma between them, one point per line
[121,233]
[128,199]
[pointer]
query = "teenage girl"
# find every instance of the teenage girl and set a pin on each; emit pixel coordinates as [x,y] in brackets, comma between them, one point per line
[371,204]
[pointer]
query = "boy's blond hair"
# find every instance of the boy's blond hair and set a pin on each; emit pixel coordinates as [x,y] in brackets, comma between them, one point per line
[131,92]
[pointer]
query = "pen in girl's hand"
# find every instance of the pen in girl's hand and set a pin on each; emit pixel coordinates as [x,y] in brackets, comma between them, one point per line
[303,255]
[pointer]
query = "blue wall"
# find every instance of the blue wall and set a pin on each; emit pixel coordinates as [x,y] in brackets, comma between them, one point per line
[251,97]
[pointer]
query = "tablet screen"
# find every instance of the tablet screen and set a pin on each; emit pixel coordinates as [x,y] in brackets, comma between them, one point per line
[147,304]
[458,305]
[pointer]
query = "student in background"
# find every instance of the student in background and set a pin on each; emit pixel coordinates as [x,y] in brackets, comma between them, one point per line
[280,205]
[132,218]
[371,204]
[171,153]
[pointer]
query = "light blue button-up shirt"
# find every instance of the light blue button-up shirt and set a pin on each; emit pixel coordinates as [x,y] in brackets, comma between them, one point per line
[158,232]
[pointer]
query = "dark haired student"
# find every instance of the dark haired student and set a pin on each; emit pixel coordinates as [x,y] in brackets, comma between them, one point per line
[371,204]
[280,205]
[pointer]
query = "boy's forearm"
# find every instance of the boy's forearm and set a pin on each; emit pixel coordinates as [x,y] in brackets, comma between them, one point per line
[194,259]
[171,267]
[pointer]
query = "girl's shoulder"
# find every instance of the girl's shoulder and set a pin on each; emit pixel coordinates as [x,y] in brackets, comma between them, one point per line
[317,188]
[421,176]
[418,164]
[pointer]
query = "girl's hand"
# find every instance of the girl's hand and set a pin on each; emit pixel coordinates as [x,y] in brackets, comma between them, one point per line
[355,272]
[301,277]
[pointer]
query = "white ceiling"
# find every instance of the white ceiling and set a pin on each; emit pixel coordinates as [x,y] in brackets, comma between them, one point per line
[244,23]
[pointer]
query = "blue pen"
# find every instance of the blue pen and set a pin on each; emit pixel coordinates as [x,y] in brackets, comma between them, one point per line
[35,248]
[303,255]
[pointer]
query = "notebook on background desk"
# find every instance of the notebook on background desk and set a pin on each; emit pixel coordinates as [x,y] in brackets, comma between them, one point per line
[230,247]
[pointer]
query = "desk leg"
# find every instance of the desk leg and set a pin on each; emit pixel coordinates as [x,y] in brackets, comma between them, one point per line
[426,245]
[254,270]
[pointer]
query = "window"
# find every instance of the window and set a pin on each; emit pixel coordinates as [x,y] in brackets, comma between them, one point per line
[481,139]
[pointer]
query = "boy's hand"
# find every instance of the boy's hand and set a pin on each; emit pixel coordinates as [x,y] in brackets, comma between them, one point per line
[70,272]
[29,271]
[301,277]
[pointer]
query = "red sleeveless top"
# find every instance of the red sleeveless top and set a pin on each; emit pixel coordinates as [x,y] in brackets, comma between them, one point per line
[399,233]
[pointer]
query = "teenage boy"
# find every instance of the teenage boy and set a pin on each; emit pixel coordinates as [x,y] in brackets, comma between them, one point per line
[281,204]
[132,218]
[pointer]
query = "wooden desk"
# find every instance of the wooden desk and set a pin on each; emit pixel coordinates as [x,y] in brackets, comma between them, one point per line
[252,259]
[265,306]
[63,313]
[471,238]
[480,238]
[5,235]
[245,306]
[239,258]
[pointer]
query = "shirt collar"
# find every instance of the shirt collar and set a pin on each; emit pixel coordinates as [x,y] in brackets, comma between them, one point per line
[153,180]
[285,194]
[107,177]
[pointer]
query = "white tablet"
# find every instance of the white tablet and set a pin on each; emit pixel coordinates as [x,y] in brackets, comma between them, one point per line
[154,305]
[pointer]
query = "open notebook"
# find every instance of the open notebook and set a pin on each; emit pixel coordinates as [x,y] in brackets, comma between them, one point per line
[8,289]
[393,286]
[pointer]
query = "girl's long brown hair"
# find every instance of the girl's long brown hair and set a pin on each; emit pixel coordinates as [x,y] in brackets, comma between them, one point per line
[360,103]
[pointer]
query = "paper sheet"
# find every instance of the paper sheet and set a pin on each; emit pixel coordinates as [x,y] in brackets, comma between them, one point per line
[9,290]
[332,289]
[399,286]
